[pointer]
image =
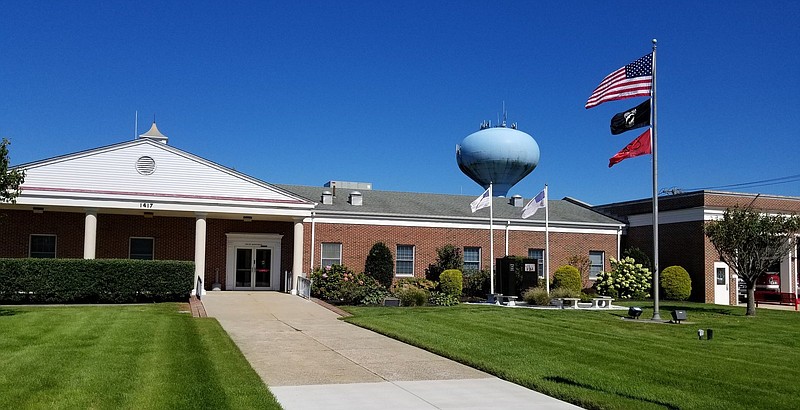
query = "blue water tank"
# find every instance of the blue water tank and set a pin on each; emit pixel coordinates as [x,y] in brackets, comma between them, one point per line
[500,155]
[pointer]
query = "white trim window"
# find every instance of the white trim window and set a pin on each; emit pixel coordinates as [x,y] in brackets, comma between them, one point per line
[538,254]
[141,248]
[331,254]
[596,263]
[472,258]
[404,265]
[42,246]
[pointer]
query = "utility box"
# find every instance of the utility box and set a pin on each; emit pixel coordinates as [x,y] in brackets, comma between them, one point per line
[513,275]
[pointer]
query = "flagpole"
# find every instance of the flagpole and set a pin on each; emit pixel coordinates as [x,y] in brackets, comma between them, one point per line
[491,238]
[654,149]
[547,238]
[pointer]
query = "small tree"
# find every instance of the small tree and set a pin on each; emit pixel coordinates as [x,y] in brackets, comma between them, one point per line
[380,264]
[750,242]
[582,264]
[639,256]
[448,257]
[10,180]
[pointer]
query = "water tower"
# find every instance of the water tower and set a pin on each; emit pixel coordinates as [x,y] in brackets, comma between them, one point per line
[500,155]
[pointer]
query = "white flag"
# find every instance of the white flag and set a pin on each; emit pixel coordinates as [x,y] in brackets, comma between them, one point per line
[539,201]
[481,202]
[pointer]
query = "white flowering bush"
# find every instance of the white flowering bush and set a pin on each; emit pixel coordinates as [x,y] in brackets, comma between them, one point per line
[626,280]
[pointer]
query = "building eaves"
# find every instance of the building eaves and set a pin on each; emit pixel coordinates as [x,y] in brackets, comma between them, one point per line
[423,206]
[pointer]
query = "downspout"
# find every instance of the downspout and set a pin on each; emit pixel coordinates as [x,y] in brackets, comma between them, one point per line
[508,223]
[313,234]
[619,242]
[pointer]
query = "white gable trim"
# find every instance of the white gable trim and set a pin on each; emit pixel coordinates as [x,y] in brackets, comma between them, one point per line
[106,177]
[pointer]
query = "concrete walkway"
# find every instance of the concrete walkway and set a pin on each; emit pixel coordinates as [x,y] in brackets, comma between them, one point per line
[311,360]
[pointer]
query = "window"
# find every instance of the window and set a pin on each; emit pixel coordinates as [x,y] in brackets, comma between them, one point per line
[331,254]
[472,258]
[43,246]
[405,260]
[141,248]
[596,263]
[539,255]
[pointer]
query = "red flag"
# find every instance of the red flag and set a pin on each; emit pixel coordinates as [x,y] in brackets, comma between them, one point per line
[639,146]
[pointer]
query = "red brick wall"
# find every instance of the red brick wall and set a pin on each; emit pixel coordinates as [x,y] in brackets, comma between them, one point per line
[679,244]
[216,243]
[173,238]
[17,227]
[357,240]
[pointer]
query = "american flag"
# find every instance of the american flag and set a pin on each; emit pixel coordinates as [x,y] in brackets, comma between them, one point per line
[632,80]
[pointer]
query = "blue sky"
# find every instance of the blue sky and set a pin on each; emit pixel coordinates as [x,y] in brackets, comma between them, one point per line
[303,92]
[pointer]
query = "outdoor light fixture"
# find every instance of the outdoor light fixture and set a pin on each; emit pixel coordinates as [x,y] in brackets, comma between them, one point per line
[634,312]
[148,214]
[678,315]
[38,210]
[247,218]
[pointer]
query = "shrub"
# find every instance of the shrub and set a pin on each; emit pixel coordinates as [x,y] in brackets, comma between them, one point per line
[412,296]
[476,283]
[564,293]
[442,299]
[448,257]
[626,280]
[338,284]
[568,277]
[639,256]
[451,282]
[536,296]
[415,282]
[380,264]
[676,283]
[94,280]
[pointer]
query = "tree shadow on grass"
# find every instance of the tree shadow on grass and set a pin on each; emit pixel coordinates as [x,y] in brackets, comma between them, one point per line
[564,380]
[7,312]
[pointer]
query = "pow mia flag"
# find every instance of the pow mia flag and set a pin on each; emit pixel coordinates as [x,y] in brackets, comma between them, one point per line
[636,117]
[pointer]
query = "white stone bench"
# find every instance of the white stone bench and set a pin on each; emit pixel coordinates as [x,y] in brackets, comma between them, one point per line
[509,300]
[602,302]
[565,302]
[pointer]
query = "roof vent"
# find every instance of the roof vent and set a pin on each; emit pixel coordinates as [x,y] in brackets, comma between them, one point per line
[154,134]
[356,199]
[327,198]
[516,200]
[145,165]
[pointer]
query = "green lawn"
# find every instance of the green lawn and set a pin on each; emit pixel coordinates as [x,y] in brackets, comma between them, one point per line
[129,357]
[596,359]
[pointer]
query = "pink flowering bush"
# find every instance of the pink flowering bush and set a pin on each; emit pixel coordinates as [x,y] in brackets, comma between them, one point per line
[338,284]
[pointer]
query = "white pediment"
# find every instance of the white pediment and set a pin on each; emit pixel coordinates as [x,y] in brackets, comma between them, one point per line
[143,171]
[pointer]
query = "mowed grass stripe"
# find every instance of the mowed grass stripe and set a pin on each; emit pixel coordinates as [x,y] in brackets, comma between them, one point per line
[597,360]
[122,357]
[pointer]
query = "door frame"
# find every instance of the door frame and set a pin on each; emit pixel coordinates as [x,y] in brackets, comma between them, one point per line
[253,241]
[719,299]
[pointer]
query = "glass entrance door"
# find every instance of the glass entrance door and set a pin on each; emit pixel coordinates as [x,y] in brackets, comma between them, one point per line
[244,268]
[263,264]
[253,268]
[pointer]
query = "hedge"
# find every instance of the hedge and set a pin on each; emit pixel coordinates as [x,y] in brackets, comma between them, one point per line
[94,280]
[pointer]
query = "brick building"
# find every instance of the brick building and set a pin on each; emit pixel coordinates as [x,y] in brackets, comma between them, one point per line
[682,240]
[146,199]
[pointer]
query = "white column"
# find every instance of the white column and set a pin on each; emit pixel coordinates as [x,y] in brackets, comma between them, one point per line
[199,249]
[90,234]
[297,253]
